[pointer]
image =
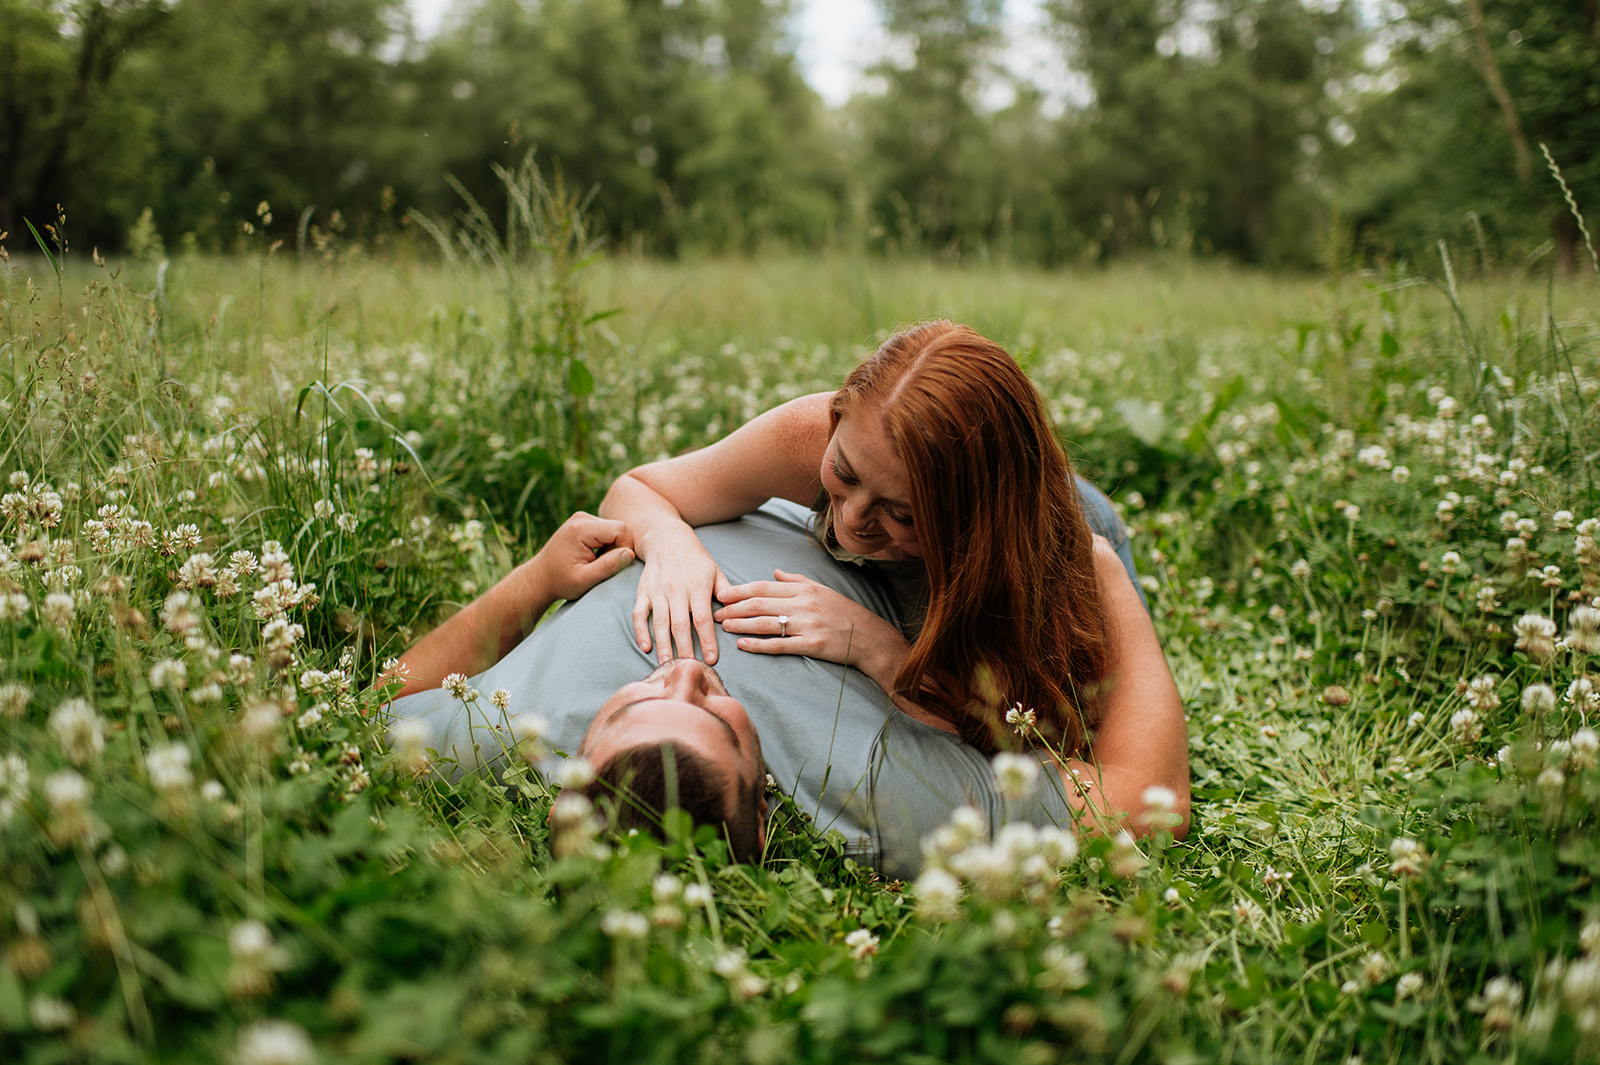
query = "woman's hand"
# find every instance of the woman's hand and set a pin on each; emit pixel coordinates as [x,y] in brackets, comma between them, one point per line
[821,623]
[579,555]
[675,593]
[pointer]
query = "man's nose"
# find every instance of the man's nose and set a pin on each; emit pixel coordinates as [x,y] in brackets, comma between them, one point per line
[685,678]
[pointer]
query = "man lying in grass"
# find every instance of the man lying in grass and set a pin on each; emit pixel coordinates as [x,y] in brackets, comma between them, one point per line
[826,734]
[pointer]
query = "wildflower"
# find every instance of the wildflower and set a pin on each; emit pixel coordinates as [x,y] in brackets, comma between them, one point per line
[1583,630]
[1415,720]
[1273,878]
[1585,746]
[213,791]
[68,794]
[57,610]
[1172,897]
[456,684]
[1550,577]
[79,729]
[624,924]
[1551,779]
[501,699]
[1336,695]
[1408,985]
[1482,693]
[1352,513]
[1583,695]
[411,746]
[311,718]
[49,1013]
[574,825]
[14,606]
[1374,968]
[1499,1003]
[697,895]
[261,721]
[937,894]
[1400,475]
[1449,562]
[200,571]
[1126,858]
[1536,634]
[322,509]
[575,773]
[1538,699]
[529,731]
[1465,726]
[862,943]
[1406,857]
[169,768]
[1301,570]
[169,673]
[1486,598]
[1064,969]
[1248,911]
[255,958]
[13,786]
[1021,719]
[274,1042]
[1015,775]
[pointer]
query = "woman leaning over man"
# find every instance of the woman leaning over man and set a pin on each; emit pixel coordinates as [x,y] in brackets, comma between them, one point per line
[936,463]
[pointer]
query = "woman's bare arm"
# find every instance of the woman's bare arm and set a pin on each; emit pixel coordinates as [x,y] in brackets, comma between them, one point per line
[1142,740]
[777,454]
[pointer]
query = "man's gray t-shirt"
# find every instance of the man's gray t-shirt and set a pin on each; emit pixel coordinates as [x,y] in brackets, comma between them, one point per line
[831,738]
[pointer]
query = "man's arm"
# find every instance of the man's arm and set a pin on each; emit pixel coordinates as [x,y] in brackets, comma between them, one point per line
[1142,740]
[489,627]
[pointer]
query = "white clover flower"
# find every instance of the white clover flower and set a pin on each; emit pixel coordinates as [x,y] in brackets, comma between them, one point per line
[1583,695]
[199,571]
[79,729]
[1374,968]
[274,1042]
[261,720]
[1583,630]
[49,1013]
[1465,726]
[1585,746]
[500,698]
[1415,720]
[1550,577]
[1249,911]
[1159,799]
[456,684]
[1400,475]
[1172,897]
[575,773]
[666,888]
[697,894]
[1408,985]
[1487,598]
[1538,699]
[1449,562]
[862,943]
[1301,570]
[1482,692]
[14,699]
[168,766]
[322,509]
[57,610]
[1021,719]
[1352,513]
[411,746]
[1406,857]
[1551,779]
[1015,775]
[1536,635]
[1064,969]
[213,791]
[624,924]
[169,673]
[13,786]
[529,731]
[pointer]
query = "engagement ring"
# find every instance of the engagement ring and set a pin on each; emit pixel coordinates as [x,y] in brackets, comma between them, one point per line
[783,624]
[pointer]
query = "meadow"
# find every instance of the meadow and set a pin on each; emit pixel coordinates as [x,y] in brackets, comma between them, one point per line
[1363,504]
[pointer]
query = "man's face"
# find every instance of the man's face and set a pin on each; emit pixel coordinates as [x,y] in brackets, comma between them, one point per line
[682,701]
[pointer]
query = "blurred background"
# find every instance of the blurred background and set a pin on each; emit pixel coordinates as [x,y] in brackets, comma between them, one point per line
[1281,132]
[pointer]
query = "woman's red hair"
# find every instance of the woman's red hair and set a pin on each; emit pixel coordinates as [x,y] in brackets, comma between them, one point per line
[1014,612]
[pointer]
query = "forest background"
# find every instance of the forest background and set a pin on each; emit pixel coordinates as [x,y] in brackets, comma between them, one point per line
[1280,132]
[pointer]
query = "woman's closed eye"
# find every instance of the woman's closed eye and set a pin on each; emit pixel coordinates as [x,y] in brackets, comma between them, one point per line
[846,478]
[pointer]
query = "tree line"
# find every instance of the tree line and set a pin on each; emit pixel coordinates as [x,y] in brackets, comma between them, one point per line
[1270,131]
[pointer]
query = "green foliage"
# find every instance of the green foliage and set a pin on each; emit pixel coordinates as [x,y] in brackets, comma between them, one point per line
[1323,492]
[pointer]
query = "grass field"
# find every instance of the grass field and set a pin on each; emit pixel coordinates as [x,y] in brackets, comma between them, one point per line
[1364,507]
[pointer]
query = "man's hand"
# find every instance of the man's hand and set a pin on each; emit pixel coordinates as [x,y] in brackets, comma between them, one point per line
[583,552]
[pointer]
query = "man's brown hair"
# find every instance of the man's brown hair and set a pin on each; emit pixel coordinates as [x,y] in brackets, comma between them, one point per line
[641,783]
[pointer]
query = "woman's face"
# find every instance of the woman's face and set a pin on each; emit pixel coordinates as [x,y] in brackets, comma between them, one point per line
[869,488]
